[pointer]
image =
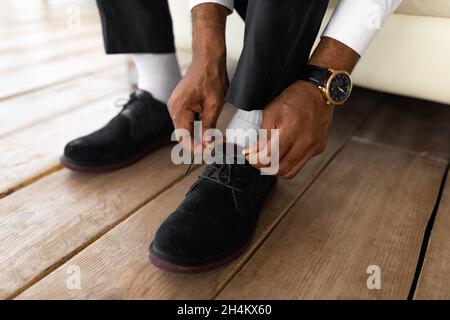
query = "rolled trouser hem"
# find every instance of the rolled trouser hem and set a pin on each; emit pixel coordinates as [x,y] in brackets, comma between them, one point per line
[246,104]
[245,95]
[137,26]
[137,48]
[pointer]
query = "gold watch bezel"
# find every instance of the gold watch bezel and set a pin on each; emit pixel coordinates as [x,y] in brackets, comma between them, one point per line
[326,90]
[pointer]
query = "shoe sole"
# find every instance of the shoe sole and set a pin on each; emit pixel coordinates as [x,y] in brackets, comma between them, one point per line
[79,167]
[169,266]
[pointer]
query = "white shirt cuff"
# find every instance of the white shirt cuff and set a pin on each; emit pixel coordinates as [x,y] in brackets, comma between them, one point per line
[227,3]
[355,23]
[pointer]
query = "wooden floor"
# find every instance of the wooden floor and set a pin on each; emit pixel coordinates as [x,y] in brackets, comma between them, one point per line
[377,196]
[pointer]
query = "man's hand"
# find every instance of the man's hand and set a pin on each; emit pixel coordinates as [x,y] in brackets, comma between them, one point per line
[203,88]
[201,91]
[303,119]
[302,115]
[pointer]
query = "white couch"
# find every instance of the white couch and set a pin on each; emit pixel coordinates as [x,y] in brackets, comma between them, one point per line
[410,56]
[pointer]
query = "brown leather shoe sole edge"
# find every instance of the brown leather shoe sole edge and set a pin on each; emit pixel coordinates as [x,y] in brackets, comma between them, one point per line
[166,265]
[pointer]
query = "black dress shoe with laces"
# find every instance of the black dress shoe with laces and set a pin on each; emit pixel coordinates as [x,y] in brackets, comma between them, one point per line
[215,221]
[143,125]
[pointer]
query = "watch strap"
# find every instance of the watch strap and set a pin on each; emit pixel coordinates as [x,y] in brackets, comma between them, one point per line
[315,75]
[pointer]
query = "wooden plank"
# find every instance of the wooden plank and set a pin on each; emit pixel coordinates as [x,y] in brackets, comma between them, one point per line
[49,24]
[32,40]
[29,109]
[38,10]
[411,124]
[32,11]
[48,119]
[25,110]
[102,264]
[369,207]
[51,73]
[56,216]
[30,27]
[12,60]
[125,247]
[35,151]
[22,112]
[434,280]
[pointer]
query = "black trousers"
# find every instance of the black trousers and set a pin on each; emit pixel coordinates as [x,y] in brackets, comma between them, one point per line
[279,35]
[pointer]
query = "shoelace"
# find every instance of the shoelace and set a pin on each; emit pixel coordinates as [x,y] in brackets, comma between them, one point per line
[125,102]
[140,126]
[222,175]
[197,117]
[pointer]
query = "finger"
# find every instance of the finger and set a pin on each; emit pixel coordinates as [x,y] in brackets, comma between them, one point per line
[210,114]
[185,121]
[276,164]
[253,149]
[280,136]
[257,154]
[296,155]
[275,148]
[293,171]
[267,124]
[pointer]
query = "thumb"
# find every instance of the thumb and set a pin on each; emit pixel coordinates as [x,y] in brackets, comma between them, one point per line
[262,145]
[267,124]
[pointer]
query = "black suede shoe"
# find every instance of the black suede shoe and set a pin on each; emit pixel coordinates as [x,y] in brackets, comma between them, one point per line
[143,125]
[215,222]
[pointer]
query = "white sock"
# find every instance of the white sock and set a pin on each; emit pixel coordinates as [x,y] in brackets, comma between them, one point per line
[245,126]
[159,73]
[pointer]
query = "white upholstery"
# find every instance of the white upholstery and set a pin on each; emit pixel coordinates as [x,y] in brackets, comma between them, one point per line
[410,56]
[431,8]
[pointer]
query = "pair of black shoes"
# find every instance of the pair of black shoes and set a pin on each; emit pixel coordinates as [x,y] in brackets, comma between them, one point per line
[218,216]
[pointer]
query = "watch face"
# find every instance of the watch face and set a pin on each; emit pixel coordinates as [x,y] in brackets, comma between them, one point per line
[340,86]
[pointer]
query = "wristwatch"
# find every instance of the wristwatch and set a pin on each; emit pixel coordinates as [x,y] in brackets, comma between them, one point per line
[335,85]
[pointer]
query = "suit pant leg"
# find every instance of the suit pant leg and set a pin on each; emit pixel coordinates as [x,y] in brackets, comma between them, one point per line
[279,36]
[136,26]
